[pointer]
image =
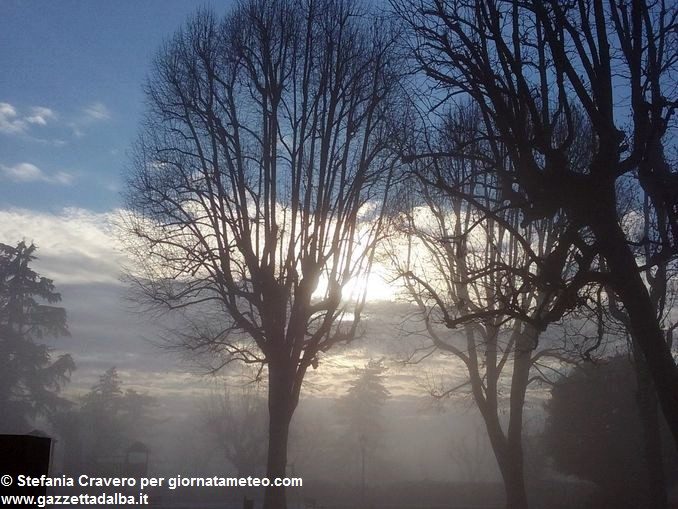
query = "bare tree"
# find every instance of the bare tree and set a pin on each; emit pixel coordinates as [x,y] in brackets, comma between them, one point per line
[470,265]
[237,420]
[533,67]
[258,184]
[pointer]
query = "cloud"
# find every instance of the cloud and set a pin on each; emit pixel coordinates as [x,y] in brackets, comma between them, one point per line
[13,122]
[27,172]
[97,111]
[41,115]
[77,132]
[93,113]
[74,245]
[79,250]
[10,121]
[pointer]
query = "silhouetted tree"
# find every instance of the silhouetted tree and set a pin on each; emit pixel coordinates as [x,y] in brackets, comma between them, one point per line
[258,185]
[115,417]
[660,276]
[360,415]
[106,420]
[470,266]
[29,379]
[237,420]
[540,71]
[594,431]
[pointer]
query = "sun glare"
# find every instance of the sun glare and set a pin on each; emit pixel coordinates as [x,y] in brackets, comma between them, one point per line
[375,284]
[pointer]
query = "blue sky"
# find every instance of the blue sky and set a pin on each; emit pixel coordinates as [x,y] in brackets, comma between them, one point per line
[70,105]
[71,95]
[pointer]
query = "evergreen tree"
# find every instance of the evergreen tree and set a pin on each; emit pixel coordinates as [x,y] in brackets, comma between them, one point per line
[29,379]
[360,414]
[593,431]
[101,409]
[107,419]
[114,417]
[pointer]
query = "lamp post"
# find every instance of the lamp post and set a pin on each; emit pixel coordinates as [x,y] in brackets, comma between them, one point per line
[363,441]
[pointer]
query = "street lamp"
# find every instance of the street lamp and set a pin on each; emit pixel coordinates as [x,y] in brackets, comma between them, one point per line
[363,441]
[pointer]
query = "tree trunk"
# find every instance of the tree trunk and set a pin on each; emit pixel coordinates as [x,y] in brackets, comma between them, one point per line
[280,408]
[514,479]
[510,463]
[514,482]
[507,448]
[649,419]
[645,328]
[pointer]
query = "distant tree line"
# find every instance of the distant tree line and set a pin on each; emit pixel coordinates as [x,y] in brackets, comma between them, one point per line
[99,427]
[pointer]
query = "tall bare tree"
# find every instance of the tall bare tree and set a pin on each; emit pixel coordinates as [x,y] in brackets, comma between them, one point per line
[470,265]
[258,184]
[533,68]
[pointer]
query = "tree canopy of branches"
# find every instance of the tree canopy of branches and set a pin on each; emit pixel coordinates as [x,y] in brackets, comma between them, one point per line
[29,379]
[542,71]
[586,443]
[467,263]
[258,184]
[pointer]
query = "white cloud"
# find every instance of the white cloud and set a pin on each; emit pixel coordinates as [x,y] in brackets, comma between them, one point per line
[77,132]
[56,142]
[78,249]
[23,172]
[41,115]
[27,172]
[10,121]
[63,178]
[13,122]
[74,246]
[97,111]
[16,122]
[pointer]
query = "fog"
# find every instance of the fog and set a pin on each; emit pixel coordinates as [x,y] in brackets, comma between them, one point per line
[435,446]
[334,254]
[429,448]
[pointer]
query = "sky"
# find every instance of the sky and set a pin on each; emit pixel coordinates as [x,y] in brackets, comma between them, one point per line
[71,101]
[70,104]
[71,96]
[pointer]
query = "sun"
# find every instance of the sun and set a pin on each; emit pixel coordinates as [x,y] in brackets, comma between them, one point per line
[374,285]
